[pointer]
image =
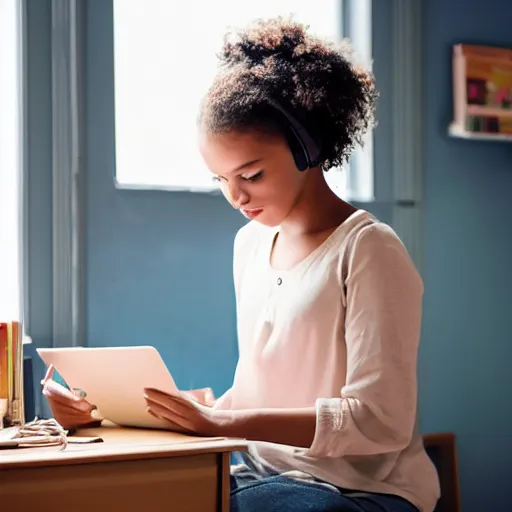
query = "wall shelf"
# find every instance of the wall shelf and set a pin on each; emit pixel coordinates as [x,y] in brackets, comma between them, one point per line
[460,133]
[482,93]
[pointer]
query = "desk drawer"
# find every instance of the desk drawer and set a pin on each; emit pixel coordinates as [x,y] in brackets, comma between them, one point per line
[176,484]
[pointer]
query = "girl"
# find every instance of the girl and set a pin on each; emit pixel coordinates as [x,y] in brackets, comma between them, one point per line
[328,300]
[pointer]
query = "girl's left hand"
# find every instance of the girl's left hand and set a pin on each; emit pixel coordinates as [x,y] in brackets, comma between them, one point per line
[188,414]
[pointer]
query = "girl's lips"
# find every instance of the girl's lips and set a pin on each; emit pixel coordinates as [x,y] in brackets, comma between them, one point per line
[251,214]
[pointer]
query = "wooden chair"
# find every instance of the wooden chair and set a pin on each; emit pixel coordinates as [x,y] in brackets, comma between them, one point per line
[441,448]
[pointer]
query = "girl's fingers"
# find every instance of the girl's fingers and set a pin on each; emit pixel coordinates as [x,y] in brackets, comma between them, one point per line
[81,407]
[64,399]
[54,389]
[163,410]
[169,416]
[49,374]
[209,397]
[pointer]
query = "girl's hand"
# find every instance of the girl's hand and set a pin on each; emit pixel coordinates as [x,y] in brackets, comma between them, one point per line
[189,414]
[204,396]
[69,409]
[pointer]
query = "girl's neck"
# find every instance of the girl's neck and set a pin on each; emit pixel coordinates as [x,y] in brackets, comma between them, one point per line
[318,209]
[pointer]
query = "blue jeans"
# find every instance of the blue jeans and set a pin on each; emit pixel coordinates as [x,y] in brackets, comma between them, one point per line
[282,494]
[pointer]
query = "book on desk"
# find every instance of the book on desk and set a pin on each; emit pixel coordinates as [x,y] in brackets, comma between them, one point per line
[12,412]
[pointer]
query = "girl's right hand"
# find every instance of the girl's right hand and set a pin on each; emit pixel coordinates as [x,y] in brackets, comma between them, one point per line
[69,409]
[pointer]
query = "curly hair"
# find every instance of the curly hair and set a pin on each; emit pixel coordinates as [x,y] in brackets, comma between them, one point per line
[278,61]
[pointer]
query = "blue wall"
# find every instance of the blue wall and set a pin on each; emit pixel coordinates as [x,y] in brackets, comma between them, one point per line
[466,347]
[158,264]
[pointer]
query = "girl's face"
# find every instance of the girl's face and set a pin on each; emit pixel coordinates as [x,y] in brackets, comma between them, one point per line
[256,172]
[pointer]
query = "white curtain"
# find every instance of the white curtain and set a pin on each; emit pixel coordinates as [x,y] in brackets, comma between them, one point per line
[10,160]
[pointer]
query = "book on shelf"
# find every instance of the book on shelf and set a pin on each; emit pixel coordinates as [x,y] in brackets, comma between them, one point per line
[11,374]
[482,87]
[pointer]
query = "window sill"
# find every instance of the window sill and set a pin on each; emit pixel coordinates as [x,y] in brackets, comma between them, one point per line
[212,190]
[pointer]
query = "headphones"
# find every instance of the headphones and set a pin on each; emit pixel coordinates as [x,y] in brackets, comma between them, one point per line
[306,152]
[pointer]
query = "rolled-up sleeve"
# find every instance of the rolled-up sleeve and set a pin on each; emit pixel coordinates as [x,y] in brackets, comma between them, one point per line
[376,410]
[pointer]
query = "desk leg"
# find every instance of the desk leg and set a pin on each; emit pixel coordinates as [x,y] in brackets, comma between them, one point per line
[225,487]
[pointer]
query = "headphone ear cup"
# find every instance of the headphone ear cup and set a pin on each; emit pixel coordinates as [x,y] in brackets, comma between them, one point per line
[297,151]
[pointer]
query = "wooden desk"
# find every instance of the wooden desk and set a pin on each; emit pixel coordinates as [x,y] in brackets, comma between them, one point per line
[132,470]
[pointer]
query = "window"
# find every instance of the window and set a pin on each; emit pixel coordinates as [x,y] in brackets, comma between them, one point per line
[357,25]
[164,61]
[10,168]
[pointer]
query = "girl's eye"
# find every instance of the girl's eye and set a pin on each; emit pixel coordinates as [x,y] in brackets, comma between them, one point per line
[254,177]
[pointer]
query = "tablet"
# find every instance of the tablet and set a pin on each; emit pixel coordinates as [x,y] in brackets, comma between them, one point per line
[114,379]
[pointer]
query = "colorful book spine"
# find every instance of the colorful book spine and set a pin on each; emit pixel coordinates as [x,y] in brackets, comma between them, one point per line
[4,379]
[11,374]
